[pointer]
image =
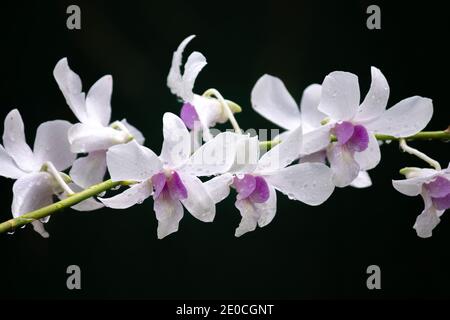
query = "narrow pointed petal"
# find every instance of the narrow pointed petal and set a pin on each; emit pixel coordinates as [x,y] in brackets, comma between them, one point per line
[8,167]
[375,102]
[51,144]
[340,96]
[282,154]
[371,156]
[89,170]
[137,135]
[176,147]
[311,116]
[343,164]
[404,119]
[70,85]
[98,101]
[132,161]
[198,201]
[194,64]
[15,144]
[136,194]
[86,138]
[362,180]
[428,219]
[30,192]
[310,183]
[271,99]
[169,213]
[87,205]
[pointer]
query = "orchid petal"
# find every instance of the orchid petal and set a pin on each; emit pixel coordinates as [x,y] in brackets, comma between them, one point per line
[70,85]
[310,183]
[406,118]
[362,180]
[98,101]
[271,99]
[344,166]
[218,187]
[428,219]
[311,116]
[85,138]
[176,147]
[413,186]
[89,170]
[169,213]
[340,96]
[198,201]
[371,156]
[15,144]
[8,167]
[132,161]
[137,135]
[136,194]
[375,102]
[316,140]
[51,144]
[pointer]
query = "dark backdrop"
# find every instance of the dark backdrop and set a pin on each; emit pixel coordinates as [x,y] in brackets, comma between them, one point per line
[306,252]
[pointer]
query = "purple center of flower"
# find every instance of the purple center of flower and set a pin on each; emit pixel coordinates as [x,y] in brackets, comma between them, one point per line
[168,185]
[189,115]
[354,137]
[439,191]
[253,188]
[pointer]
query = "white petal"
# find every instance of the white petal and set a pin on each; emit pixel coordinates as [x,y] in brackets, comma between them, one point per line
[51,144]
[38,226]
[344,166]
[132,161]
[14,142]
[340,95]
[194,64]
[175,80]
[31,192]
[271,99]
[413,186]
[311,116]
[8,167]
[176,147]
[198,201]
[209,112]
[369,158]
[406,118]
[136,194]
[249,219]
[89,170]
[218,187]
[87,137]
[137,135]
[319,156]
[267,210]
[70,85]
[169,214]
[282,154]
[214,157]
[98,101]
[375,102]
[428,219]
[362,180]
[316,140]
[247,155]
[310,183]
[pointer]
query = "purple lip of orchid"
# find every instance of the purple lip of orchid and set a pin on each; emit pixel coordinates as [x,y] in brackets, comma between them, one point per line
[189,115]
[169,186]
[354,137]
[439,191]
[253,188]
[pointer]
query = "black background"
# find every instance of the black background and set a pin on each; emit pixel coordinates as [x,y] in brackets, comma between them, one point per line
[306,252]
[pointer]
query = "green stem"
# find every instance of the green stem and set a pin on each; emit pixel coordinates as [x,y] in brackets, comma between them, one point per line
[29,217]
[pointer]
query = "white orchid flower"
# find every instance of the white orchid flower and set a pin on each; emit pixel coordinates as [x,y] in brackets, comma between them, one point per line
[172,178]
[434,187]
[37,171]
[196,109]
[272,100]
[93,134]
[256,181]
[340,113]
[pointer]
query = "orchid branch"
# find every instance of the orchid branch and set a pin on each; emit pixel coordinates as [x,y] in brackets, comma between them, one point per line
[70,201]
